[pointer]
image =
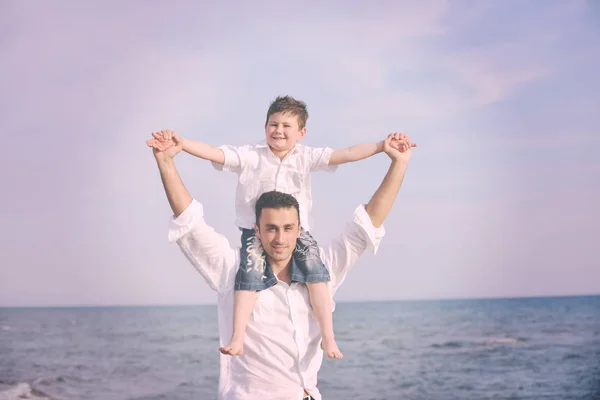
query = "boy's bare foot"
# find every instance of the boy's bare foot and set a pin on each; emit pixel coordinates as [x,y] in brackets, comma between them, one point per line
[235,348]
[330,348]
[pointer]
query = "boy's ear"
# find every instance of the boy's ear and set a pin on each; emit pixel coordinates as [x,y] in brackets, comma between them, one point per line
[302,132]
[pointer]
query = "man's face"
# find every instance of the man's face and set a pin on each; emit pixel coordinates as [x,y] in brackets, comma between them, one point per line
[282,131]
[278,230]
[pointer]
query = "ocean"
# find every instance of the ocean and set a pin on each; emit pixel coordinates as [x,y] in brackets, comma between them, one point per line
[526,348]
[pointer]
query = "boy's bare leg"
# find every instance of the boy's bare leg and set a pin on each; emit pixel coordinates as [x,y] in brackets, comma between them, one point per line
[243,304]
[321,304]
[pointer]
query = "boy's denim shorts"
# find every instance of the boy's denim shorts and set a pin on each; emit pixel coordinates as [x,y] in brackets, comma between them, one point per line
[255,273]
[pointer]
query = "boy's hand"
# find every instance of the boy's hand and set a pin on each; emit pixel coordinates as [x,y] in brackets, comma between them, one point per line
[163,148]
[162,140]
[398,147]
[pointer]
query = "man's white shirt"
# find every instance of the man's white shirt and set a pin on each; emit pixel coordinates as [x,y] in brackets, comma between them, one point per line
[260,171]
[282,353]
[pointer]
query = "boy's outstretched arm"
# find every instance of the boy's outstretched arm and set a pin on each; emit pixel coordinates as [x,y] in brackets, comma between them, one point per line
[359,152]
[164,139]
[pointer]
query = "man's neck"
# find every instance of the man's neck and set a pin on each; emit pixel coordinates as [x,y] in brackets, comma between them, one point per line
[281,269]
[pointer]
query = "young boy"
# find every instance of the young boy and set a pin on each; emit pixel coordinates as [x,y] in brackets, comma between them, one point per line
[281,164]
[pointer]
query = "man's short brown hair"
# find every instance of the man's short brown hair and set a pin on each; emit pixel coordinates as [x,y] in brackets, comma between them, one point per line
[276,200]
[289,105]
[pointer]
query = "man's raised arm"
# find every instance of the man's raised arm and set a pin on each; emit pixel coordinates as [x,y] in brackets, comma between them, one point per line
[178,196]
[209,252]
[398,148]
[366,230]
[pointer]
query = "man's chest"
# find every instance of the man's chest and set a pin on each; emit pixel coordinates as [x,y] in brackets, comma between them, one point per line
[284,314]
[283,302]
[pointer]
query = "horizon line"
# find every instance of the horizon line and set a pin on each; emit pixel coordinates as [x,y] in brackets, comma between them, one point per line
[339,301]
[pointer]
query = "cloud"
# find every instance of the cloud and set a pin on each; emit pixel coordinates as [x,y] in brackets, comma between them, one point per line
[438,78]
[494,73]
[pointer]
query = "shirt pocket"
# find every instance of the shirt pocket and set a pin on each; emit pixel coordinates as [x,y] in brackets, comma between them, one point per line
[264,310]
[294,182]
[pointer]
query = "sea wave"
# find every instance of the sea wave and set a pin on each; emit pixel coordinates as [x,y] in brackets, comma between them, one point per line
[503,340]
[23,390]
[455,344]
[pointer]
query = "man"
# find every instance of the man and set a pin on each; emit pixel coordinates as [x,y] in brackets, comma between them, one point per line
[282,353]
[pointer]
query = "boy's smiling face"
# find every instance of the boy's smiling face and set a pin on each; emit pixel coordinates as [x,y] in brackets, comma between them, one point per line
[282,132]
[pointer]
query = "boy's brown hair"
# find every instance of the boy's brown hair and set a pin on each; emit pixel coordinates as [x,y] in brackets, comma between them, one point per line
[289,105]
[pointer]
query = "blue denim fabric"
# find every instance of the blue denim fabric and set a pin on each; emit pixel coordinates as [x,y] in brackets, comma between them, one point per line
[307,265]
[255,272]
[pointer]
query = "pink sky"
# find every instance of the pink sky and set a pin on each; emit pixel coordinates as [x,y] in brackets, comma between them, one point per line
[501,198]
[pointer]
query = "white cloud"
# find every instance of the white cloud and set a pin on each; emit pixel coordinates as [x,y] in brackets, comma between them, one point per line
[494,73]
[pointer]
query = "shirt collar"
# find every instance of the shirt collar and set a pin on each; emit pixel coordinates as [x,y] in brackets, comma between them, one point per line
[293,267]
[263,145]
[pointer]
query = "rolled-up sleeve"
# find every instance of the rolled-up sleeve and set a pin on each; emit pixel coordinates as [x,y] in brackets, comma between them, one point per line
[358,235]
[234,159]
[209,252]
[319,159]
[373,235]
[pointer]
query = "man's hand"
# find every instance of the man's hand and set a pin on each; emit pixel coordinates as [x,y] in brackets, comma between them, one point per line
[165,145]
[178,196]
[398,147]
[162,140]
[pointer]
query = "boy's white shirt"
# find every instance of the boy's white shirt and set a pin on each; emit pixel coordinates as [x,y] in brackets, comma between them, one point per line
[282,354]
[260,171]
